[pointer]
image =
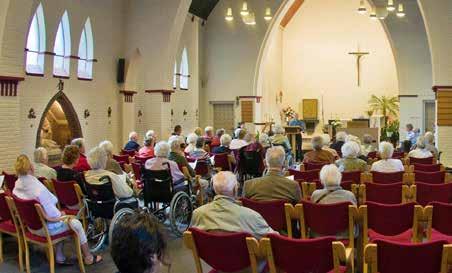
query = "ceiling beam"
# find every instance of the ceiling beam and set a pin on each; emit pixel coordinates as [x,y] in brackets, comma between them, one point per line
[291,12]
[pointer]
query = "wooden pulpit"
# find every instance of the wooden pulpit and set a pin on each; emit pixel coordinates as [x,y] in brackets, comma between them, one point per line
[292,132]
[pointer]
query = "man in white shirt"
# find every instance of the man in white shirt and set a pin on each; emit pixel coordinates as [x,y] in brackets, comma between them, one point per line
[387,164]
[420,151]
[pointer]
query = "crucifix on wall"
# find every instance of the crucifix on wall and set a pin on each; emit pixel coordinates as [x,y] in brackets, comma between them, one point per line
[359,54]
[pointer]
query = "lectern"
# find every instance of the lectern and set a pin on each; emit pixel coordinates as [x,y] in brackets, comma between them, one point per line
[292,132]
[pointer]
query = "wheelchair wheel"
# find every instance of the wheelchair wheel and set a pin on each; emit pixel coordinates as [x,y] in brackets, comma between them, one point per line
[96,233]
[181,211]
[116,218]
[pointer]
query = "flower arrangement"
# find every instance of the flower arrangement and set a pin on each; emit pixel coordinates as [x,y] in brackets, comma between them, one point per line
[288,112]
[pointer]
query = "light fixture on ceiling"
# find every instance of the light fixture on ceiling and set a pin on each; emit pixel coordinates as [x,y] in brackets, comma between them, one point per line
[244,11]
[401,11]
[250,19]
[362,8]
[373,14]
[268,14]
[229,16]
[390,6]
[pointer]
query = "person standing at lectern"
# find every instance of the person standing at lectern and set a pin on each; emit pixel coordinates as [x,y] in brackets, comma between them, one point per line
[299,138]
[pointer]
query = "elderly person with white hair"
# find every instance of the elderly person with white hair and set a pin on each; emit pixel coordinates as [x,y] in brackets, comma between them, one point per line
[430,144]
[366,146]
[350,161]
[340,140]
[191,141]
[177,156]
[151,134]
[421,150]
[132,144]
[40,165]
[273,185]
[208,133]
[318,155]
[225,141]
[264,140]
[224,214]
[387,164]
[82,163]
[239,141]
[97,159]
[161,162]
[280,139]
[216,140]
[326,145]
[112,165]
[148,148]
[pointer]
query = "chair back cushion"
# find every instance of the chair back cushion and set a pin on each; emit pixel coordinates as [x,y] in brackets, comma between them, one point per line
[384,193]
[326,219]
[352,176]
[221,161]
[395,257]
[427,160]
[398,155]
[347,185]
[426,193]
[313,166]
[121,158]
[302,256]
[250,162]
[158,185]
[390,219]
[387,178]
[442,216]
[430,177]
[10,180]
[372,154]
[27,213]
[128,152]
[222,251]
[136,167]
[141,159]
[5,214]
[202,167]
[65,192]
[271,211]
[305,176]
[427,167]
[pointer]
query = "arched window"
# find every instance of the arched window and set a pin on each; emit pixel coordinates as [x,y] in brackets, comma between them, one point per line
[184,75]
[175,75]
[62,48]
[85,52]
[36,43]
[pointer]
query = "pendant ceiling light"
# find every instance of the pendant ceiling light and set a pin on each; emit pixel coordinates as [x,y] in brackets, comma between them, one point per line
[362,7]
[244,11]
[268,14]
[373,14]
[390,6]
[401,11]
[229,16]
[250,19]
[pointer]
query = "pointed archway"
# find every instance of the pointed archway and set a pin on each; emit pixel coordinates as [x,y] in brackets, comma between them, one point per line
[60,111]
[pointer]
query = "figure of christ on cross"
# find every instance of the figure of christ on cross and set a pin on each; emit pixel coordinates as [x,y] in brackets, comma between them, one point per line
[358,55]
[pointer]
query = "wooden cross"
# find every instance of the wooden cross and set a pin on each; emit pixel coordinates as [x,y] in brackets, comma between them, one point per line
[358,55]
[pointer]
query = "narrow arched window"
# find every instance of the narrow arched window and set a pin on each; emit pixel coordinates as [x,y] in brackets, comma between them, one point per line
[62,48]
[36,43]
[85,52]
[184,74]
[175,75]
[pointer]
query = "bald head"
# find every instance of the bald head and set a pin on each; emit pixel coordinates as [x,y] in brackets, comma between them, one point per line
[225,183]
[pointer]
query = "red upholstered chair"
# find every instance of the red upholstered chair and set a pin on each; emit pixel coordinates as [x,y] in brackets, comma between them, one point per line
[305,255]
[390,222]
[202,168]
[439,216]
[398,155]
[9,180]
[313,166]
[427,167]
[430,177]
[141,159]
[130,153]
[396,193]
[426,193]
[428,160]
[9,226]
[387,178]
[226,252]
[305,176]
[352,176]
[222,161]
[372,154]
[136,167]
[395,257]
[271,211]
[70,194]
[31,216]
[122,158]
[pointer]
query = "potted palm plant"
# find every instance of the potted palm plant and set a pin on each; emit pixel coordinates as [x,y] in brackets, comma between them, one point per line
[387,106]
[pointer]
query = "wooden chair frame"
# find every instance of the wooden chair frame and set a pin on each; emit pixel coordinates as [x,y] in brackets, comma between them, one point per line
[49,244]
[17,235]
[82,210]
[252,244]
[408,194]
[371,259]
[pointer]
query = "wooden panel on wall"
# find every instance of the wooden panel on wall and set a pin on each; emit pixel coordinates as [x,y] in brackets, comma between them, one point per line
[291,12]
[444,102]
[247,111]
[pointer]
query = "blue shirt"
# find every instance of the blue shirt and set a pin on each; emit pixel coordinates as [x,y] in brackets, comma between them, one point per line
[297,122]
[132,146]
[412,137]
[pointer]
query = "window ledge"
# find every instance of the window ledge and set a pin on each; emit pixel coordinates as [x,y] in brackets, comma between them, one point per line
[61,77]
[84,79]
[34,74]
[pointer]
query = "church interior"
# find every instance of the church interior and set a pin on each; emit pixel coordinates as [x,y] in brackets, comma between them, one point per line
[297,136]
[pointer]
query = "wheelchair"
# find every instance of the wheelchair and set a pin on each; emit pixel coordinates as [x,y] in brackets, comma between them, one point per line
[171,204]
[102,206]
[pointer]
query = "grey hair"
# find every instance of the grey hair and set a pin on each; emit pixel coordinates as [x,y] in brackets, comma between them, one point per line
[208,129]
[326,139]
[420,143]
[341,136]
[40,155]
[191,138]
[97,158]
[132,134]
[162,149]
[150,134]
[317,142]
[264,139]
[225,140]
[174,144]
[386,150]
[278,130]
[107,146]
[330,176]
[224,183]
[350,149]
[275,157]
[367,139]
[429,138]
[79,142]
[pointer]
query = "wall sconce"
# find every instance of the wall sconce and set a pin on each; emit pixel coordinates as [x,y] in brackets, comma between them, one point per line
[184,113]
[280,96]
[237,101]
[31,114]
[86,113]
[140,114]
[109,112]
[172,112]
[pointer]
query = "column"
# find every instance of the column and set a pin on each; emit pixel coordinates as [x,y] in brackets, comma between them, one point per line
[128,114]
[444,123]
[158,111]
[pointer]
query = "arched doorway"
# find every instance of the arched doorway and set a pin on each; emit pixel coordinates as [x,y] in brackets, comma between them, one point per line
[58,126]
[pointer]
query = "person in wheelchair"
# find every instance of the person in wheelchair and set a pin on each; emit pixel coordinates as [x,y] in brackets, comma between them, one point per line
[97,159]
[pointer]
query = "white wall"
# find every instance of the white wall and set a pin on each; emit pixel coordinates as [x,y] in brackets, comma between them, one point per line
[315,50]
